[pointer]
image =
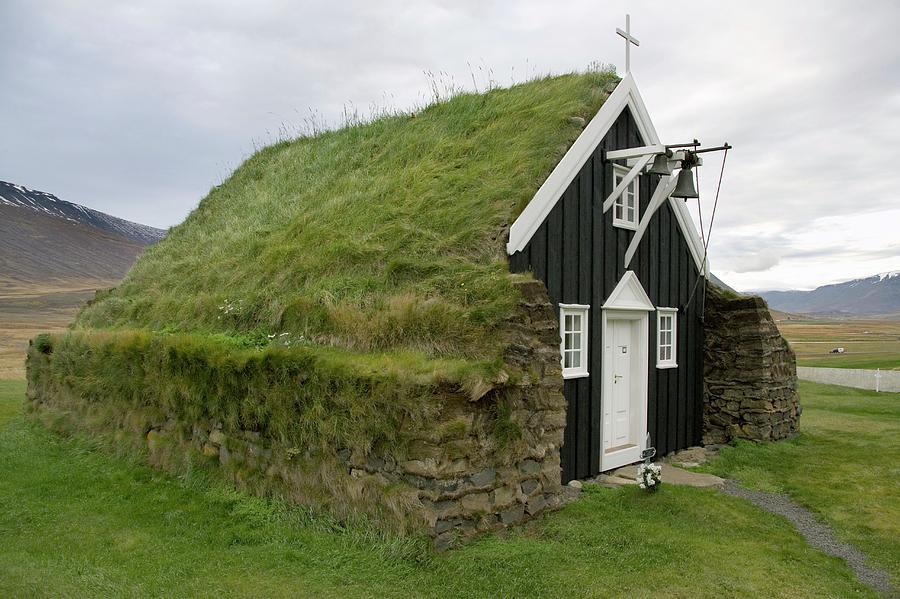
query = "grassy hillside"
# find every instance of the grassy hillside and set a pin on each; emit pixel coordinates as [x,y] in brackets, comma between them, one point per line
[383,236]
[77,522]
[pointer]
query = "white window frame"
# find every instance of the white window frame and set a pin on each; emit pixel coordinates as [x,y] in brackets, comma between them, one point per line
[633,191]
[671,362]
[574,310]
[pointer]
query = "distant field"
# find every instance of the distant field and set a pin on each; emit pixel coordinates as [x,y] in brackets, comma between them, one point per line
[867,343]
[26,312]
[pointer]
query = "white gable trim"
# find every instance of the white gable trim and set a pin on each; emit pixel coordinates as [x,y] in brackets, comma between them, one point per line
[625,94]
[629,294]
[663,190]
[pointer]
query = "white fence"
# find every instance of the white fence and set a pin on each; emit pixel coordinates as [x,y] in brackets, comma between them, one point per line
[877,380]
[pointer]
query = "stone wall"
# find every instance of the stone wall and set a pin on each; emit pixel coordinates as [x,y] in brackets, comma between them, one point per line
[486,459]
[750,374]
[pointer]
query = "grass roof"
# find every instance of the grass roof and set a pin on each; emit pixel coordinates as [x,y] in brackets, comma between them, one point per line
[380,237]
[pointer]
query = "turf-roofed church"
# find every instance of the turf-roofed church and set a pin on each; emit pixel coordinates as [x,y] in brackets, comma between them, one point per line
[432,321]
[621,260]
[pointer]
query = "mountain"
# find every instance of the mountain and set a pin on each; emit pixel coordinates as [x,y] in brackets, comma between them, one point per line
[878,295]
[41,201]
[52,243]
[53,256]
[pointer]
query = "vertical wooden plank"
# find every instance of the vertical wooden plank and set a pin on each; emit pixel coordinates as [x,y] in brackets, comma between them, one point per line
[641,258]
[583,459]
[570,257]
[622,237]
[664,252]
[691,356]
[684,368]
[673,263]
[653,259]
[597,298]
[570,244]
[554,254]
[585,292]
[622,133]
[538,245]
[568,451]
[652,384]
[656,396]
[609,238]
[584,235]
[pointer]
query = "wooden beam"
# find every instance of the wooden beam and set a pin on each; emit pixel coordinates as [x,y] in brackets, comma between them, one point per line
[635,152]
[663,190]
[634,172]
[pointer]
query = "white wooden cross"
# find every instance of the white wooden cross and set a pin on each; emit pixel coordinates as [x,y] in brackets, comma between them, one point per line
[629,39]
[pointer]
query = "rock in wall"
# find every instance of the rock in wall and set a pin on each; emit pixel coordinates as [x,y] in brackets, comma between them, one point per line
[750,373]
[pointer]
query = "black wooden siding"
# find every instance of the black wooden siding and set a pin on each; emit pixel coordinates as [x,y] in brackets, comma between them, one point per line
[579,255]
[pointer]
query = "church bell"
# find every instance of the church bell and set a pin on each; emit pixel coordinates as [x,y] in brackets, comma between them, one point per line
[661,164]
[685,187]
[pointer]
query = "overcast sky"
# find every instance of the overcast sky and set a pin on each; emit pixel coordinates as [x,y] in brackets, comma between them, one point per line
[138,108]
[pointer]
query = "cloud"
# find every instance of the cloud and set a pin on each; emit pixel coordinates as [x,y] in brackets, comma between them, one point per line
[137,108]
[755,262]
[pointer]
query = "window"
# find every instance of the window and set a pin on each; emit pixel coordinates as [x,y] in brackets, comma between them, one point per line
[666,337]
[625,210]
[573,319]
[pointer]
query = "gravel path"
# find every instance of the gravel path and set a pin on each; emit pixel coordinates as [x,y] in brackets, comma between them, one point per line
[816,534]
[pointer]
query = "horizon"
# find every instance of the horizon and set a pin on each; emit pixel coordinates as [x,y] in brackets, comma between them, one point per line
[178,110]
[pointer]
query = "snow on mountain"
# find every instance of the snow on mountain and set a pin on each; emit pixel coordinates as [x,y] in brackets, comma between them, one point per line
[47,203]
[875,295]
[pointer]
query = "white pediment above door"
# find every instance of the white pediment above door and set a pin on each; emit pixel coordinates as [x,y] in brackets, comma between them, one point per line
[629,294]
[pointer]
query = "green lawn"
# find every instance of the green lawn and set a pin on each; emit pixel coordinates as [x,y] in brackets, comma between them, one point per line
[844,466]
[75,521]
[886,361]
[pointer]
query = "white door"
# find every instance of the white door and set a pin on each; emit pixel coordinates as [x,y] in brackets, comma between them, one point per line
[620,406]
[624,398]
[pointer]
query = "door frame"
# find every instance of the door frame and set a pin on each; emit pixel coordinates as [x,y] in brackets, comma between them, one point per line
[638,391]
[628,301]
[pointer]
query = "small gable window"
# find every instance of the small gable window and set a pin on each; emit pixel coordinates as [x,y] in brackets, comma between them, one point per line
[625,210]
[666,337]
[573,319]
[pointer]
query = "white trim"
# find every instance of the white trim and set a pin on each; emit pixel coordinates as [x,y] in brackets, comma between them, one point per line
[629,177]
[582,311]
[629,294]
[636,152]
[625,94]
[672,362]
[631,454]
[663,190]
